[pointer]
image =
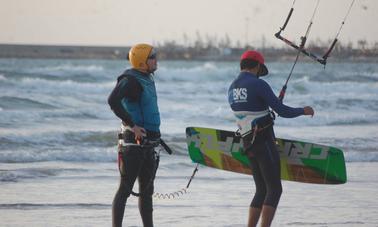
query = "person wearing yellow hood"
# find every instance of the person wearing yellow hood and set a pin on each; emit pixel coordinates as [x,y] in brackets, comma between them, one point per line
[134,102]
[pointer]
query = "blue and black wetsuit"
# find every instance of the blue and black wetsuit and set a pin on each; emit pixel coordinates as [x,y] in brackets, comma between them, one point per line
[134,101]
[250,99]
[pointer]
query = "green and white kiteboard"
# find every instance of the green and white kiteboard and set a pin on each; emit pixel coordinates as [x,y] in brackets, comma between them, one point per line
[300,161]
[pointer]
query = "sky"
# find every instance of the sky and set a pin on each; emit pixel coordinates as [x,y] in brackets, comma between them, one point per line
[126,22]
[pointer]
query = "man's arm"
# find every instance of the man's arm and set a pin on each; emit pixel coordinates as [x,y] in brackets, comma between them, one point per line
[128,88]
[271,99]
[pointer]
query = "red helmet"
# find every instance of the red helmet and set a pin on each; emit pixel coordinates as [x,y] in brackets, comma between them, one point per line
[256,56]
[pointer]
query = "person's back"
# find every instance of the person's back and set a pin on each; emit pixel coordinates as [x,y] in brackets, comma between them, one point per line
[250,99]
[243,99]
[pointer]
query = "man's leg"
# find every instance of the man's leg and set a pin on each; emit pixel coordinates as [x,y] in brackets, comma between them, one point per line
[260,194]
[128,163]
[267,215]
[271,172]
[146,188]
[254,215]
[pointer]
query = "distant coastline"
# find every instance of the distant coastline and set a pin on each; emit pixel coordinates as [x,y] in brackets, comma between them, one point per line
[176,52]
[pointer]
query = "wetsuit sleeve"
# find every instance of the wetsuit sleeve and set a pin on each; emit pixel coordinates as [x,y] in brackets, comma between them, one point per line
[271,99]
[130,89]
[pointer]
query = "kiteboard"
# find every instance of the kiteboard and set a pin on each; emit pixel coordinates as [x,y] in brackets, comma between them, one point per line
[300,161]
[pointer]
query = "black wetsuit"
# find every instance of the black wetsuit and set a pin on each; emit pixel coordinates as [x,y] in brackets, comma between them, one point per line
[134,101]
[135,162]
[266,168]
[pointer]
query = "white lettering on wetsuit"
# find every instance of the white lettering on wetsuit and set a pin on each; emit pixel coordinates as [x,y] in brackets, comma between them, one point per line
[240,94]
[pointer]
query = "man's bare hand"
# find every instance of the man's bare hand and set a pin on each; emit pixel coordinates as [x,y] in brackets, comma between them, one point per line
[308,111]
[139,132]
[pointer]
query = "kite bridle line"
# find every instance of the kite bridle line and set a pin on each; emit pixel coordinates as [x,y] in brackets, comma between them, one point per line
[322,60]
[325,56]
[300,48]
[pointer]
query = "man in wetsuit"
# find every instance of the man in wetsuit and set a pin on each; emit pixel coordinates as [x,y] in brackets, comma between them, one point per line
[134,101]
[250,99]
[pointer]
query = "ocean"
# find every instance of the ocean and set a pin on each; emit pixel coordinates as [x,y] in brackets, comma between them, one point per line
[58,143]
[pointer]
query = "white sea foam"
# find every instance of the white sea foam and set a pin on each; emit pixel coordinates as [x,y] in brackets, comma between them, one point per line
[190,94]
[67,68]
